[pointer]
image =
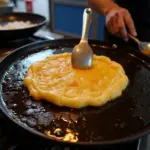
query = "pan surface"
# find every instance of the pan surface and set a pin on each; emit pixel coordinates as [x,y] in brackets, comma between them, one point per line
[20,33]
[122,120]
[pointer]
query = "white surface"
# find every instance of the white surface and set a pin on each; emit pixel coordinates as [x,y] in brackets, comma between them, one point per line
[39,6]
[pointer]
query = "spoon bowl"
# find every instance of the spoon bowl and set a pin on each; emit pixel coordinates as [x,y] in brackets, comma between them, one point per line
[144,47]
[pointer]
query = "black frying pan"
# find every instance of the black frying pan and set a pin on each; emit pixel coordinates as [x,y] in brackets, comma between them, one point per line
[122,120]
[8,35]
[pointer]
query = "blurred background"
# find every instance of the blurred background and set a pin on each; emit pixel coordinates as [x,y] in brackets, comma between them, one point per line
[64,17]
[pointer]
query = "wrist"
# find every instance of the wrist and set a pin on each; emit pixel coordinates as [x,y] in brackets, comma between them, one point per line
[108,9]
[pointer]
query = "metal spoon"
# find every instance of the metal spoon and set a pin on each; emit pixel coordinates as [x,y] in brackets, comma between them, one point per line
[82,54]
[143,46]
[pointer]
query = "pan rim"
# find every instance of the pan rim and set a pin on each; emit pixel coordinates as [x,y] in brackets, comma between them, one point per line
[4,109]
[24,13]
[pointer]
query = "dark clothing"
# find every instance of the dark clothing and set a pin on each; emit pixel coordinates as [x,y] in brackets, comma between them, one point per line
[140,12]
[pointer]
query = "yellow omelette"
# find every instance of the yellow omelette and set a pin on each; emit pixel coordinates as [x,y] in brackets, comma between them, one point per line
[55,80]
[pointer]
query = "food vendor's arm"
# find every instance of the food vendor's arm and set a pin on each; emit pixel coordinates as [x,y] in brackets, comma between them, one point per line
[117,18]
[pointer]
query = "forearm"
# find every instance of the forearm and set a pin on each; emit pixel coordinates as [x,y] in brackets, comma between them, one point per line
[102,6]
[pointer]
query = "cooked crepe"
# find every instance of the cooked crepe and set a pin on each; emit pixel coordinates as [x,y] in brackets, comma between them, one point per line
[55,80]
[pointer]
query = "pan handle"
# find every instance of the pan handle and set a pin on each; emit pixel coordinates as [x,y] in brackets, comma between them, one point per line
[48,38]
[44,35]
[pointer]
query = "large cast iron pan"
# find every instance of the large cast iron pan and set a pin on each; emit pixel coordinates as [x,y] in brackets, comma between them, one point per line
[8,35]
[122,120]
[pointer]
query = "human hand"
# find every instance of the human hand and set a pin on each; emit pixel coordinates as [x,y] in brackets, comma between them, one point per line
[119,22]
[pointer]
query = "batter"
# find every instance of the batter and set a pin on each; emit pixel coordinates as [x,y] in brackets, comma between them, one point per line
[55,80]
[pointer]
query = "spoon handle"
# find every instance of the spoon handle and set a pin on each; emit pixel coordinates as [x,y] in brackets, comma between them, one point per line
[87,18]
[133,38]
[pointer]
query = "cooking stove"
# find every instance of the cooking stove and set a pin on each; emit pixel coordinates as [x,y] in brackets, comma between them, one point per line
[13,137]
